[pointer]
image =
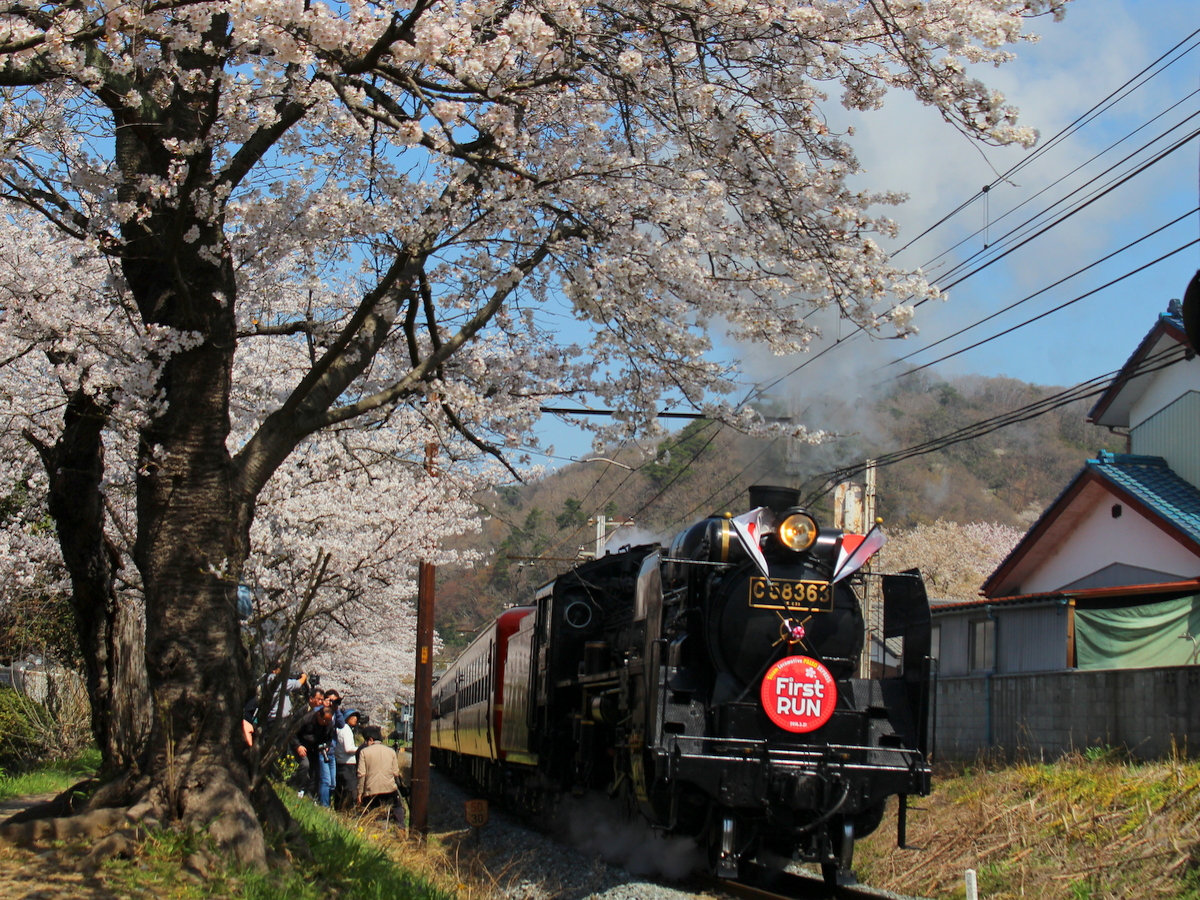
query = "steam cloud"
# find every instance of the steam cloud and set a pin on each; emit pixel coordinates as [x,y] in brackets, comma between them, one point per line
[598,828]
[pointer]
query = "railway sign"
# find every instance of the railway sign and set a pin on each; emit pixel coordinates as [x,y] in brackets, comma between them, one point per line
[477,813]
[799,694]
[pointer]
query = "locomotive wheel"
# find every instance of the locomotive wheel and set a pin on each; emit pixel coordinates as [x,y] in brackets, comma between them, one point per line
[837,871]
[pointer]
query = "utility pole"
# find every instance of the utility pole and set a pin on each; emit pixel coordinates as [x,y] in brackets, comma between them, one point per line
[854,511]
[601,535]
[871,627]
[423,683]
[603,525]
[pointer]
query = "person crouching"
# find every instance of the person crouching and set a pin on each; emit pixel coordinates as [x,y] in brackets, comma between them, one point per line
[379,774]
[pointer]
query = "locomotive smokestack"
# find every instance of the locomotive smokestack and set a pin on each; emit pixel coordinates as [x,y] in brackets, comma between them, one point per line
[777,499]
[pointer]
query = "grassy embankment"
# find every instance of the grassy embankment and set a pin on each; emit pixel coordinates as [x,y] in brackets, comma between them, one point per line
[348,857]
[1087,827]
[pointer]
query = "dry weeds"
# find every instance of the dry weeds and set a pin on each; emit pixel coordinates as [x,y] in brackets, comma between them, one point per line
[451,860]
[1084,828]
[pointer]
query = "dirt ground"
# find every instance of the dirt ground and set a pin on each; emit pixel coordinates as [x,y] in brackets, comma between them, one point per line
[42,875]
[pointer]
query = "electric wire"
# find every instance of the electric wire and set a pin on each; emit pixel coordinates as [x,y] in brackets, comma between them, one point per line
[1090,388]
[570,537]
[759,390]
[1048,287]
[1099,194]
[1049,312]
[1066,131]
[993,222]
[1101,106]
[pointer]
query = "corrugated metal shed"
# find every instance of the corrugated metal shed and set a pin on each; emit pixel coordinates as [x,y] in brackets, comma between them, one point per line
[1033,631]
[1028,637]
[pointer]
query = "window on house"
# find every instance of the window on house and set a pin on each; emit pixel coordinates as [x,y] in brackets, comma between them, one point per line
[935,643]
[983,645]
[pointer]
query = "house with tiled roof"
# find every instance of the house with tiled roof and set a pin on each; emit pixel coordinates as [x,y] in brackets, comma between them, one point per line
[1108,578]
[1114,561]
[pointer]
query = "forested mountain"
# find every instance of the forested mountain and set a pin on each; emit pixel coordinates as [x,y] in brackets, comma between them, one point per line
[1005,477]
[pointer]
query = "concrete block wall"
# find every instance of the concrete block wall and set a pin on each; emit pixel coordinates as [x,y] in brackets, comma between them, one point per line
[1149,712]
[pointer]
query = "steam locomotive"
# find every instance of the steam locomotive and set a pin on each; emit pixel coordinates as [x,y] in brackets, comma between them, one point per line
[713,686]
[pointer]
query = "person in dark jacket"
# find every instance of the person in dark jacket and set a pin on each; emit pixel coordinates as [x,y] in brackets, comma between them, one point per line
[314,745]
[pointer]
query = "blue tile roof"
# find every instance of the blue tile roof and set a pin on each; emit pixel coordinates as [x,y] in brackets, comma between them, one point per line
[1150,480]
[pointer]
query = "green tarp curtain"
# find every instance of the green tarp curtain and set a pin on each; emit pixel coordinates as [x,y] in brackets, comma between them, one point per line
[1131,637]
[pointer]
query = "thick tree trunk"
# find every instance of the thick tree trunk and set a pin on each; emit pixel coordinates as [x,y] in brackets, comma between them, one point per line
[192,540]
[190,555]
[110,627]
[192,530]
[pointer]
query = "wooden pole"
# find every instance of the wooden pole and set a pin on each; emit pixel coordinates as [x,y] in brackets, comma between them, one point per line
[423,685]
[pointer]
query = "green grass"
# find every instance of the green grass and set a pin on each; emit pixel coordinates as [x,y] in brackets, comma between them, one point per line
[52,778]
[344,863]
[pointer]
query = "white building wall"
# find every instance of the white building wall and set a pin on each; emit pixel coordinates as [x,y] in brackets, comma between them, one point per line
[1100,540]
[1165,388]
[1174,434]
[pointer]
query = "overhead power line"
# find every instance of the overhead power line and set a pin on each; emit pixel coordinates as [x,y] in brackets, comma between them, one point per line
[1008,236]
[1157,158]
[1118,93]
[1048,287]
[1039,316]
[1090,388]
[1172,56]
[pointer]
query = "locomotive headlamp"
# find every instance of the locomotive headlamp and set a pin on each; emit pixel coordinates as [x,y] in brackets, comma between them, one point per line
[797,531]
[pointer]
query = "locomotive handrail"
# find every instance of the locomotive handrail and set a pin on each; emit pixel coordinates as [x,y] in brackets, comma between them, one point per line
[904,757]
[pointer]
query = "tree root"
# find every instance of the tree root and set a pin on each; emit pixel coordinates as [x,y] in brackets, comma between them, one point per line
[115,818]
[65,804]
[89,825]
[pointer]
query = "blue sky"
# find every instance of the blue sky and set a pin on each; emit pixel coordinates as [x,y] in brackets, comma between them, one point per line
[1078,62]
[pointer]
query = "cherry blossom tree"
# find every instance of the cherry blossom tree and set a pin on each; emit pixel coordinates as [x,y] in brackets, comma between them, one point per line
[397,207]
[343,525]
[954,558]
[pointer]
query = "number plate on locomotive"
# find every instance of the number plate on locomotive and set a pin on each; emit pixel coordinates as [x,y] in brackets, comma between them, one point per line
[791,595]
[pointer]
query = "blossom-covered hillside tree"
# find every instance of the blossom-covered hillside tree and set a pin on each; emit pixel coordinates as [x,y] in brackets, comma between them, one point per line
[416,196]
[345,526]
[955,558]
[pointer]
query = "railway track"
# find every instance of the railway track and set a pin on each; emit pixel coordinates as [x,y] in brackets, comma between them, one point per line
[760,883]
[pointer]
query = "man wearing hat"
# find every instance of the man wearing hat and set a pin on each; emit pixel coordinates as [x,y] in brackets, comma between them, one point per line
[346,753]
[378,774]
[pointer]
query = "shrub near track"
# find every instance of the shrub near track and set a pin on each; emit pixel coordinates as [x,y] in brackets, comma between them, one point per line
[1090,826]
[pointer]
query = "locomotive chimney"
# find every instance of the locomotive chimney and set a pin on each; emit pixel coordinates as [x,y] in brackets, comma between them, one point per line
[777,499]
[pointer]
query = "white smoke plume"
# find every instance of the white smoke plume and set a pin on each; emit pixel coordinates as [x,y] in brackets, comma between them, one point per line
[632,536]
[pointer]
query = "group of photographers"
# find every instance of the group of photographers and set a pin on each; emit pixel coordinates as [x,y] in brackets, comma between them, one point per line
[331,767]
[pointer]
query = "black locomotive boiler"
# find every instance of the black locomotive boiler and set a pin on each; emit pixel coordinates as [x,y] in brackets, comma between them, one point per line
[714,685]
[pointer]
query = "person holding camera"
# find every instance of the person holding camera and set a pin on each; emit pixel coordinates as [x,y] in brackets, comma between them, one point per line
[314,745]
